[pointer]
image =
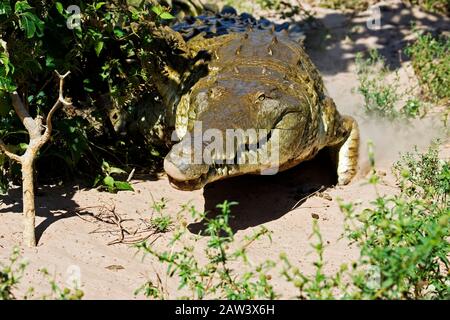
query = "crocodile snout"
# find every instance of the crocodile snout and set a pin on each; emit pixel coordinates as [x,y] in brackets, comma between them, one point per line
[183,172]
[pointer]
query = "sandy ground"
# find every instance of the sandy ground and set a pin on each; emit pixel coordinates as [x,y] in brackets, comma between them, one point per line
[68,242]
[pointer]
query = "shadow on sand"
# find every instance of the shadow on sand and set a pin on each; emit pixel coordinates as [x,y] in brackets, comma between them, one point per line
[59,205]
[266,198]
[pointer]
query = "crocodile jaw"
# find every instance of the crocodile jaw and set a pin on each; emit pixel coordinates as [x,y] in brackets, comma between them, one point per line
[187,180]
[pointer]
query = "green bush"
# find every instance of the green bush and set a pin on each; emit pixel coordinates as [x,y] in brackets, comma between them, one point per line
[12,273]
[107,54]
[214,278]
[439,6]
[163,222]
[359,5]
[431,61]
[405,237]
[442,6]
[382,96]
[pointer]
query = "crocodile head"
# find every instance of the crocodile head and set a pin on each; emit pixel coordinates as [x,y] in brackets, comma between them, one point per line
[242,118]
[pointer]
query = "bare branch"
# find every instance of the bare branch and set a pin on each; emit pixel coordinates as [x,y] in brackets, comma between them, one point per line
[10,154]
[61,101]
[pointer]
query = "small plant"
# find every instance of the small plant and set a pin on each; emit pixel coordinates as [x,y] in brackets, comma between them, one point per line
[215,278]
[162,223]
[405,237]
[106,181]
[316,286]
[58,293]
[431,61]
[403,240]
[10,275]
[358,5]
[162,12]
[383,97]
[442,6]
[269,4]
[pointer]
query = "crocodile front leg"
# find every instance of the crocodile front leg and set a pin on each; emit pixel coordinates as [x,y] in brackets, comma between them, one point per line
[346,154]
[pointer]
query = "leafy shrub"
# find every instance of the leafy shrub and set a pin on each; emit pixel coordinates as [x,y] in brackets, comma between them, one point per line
[107,55]
[383,97]
[359,5]
[61,293]
[215,278]
[405,237]
[10,275]
[106,180]
[442,6]
[318,286]
[431,61]
[163,222]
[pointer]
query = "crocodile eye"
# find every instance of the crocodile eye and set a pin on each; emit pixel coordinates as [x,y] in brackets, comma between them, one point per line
[216,92]
[261,96]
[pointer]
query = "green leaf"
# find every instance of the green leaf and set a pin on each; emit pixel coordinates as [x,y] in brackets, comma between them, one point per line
[22,147]
[6,84]
[5,8]
[97,180]
[21,6]
[99,5]
[50,62]
[31,24]
[109,181]
[114,170]
[59,7]
[123,186]
[157,9]
[162,14]
[118,33]
[27,24]
[99,47]
[4,59]
[105,166]
[166,16]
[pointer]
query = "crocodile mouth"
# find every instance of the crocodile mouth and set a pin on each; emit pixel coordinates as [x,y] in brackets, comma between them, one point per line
[215,172]
[245,161]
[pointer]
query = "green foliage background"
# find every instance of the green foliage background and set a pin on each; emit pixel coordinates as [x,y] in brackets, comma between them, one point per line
[106,55]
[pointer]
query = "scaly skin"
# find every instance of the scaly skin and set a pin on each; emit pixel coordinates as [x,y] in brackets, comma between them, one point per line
[254,79]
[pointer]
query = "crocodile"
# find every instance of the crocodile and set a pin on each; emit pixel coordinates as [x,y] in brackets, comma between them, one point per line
[230,72]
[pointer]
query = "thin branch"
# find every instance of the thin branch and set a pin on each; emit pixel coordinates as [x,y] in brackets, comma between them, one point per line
[10,154]
[308,196]
[61,101]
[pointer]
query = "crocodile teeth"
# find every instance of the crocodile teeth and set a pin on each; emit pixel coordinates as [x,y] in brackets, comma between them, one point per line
[243,158]
[225,171]
[252,139]
[252,157]
[244,138]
